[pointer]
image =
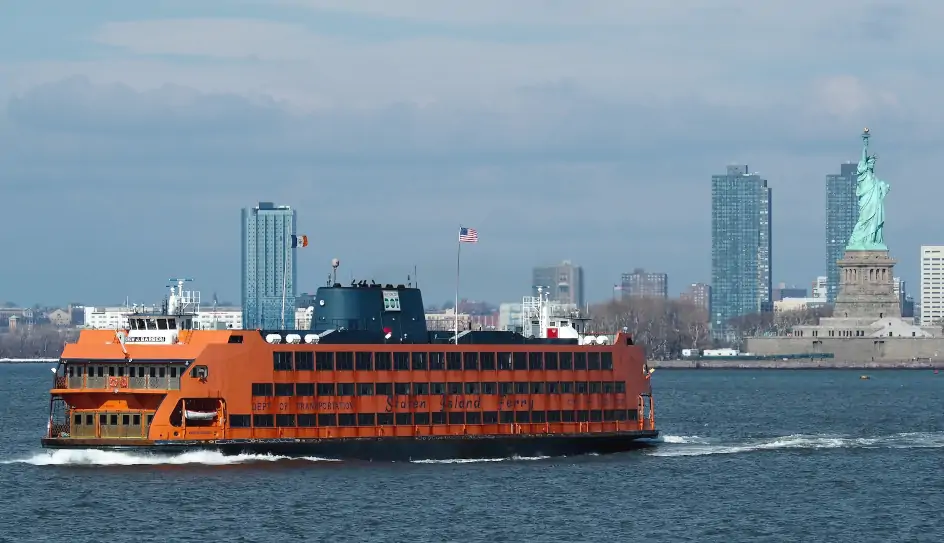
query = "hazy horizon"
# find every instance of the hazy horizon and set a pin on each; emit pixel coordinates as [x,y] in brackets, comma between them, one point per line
[131,135]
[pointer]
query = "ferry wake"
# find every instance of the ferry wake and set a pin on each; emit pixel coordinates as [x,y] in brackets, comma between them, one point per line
[366,381]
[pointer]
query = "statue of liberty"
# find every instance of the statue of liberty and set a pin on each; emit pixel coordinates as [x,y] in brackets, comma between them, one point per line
[870,191]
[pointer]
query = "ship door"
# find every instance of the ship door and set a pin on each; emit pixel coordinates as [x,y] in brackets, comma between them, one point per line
[645,411]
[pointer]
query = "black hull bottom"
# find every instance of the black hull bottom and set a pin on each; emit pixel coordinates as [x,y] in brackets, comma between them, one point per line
[391,448]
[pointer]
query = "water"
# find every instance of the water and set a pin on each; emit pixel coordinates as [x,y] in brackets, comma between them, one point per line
[747,456]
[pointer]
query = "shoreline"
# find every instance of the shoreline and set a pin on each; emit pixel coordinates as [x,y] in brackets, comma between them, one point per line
[821,364]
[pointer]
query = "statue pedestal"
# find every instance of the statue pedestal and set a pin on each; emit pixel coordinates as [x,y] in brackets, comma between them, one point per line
[866,286]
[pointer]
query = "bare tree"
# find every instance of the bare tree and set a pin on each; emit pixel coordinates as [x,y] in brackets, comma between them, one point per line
[41,342]
[663,327]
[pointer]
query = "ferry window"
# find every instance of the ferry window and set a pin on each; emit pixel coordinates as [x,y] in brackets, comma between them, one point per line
[328,419]
[240,421]
[536,361]
[608,387]
[306,421]
[141,372]
[111,371]
[522,416]
[506,388]
[437,388]
[262,389]
[456,417]
[620,387]
[439,417]
[631,414]
[262,421]
[325,389]
[537,387]
[489,387]
[490,417]
[609,415]
[454,388]
[504,361]
[173,372]
[487,361]
[78,420]
[420,389]
[453,361]
[521,388]
[520,361]
[136,420]
[580,361]
[101,371]
[345,389]
[153,372]
[419,361]
[580,387]
[235,338]
[121,372]
[172,324]
[284,389]
[596,387]
[285,421]
[346,419]
[421,419]
[596,415]
[539,417]
[384,419]
[113,420]
[384,389]
[470,361]
[473,417]
[365,389]
[553,416]
[304,389]
[404,419]
[363,362]
[366,419]
[593,361]
[606,361]
[150,419]
[324,361]
[382,362]
[553,387]
[583,415]
[89,420]
[162,372]
[402,389]
[344,361]
[103,420]
[162,324]
[305,361]
[71,371]
[198,372]
[401,361]
[506,416]
[550,361]
[567,387]
[472,388]
[437,361]
[567,416]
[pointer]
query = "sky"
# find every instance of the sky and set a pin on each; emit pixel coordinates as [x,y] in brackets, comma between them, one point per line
[131,134]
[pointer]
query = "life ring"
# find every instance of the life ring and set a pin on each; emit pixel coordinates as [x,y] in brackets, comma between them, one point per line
[113,382]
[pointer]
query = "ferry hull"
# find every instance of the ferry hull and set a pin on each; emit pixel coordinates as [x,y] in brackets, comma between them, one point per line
[388,448]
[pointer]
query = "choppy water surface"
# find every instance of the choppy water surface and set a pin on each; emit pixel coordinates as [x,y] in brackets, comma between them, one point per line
[746,456]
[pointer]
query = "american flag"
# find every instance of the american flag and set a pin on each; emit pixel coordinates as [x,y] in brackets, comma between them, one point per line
[468,235]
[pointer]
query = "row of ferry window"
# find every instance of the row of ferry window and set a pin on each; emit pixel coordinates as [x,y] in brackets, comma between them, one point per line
[110,420]
[119,371]
[424,419]
[383,361]
[424,389]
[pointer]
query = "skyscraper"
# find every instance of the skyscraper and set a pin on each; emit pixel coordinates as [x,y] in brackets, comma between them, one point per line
[643,284]
[268,266]
[932,285]
[842,212]
[564,282]
[740,246]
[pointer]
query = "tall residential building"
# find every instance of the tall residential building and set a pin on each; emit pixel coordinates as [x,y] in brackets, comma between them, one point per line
[819,288]
[842,212]
[698,294]
[643,284]
[932,284]
[268,266]
[563,281]
[740,246]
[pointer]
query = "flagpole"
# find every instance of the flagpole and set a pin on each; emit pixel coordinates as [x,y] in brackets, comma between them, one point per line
[458,255]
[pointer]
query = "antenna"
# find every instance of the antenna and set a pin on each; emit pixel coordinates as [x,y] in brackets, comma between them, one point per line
[416,277]
[334,267]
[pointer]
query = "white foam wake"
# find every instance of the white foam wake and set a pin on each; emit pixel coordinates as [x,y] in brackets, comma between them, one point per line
[477,460]
[93,457]
[695,446]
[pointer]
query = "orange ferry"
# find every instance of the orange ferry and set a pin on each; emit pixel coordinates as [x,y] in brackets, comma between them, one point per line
[366,381]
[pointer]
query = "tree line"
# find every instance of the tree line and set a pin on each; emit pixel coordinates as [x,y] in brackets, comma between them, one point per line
[665,327]
[40,342]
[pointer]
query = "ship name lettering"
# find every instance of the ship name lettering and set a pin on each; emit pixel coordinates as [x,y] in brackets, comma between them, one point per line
[457,403]
[260,406]
[283,406]
[515,404]
[404,405]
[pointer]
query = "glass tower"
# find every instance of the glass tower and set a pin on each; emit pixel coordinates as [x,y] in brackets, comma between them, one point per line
[741,281]
[268,266]
[842,212]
